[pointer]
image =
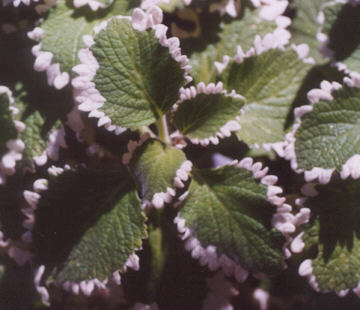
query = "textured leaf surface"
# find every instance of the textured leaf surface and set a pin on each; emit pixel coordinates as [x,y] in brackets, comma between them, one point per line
[137,76]
[228,209]
[329,135]
[7,128]
[236,32]
[270,82]
[203,116]
[343,28]
[305,26]
[87,224]
[154,167]
[65,26]
[334,232]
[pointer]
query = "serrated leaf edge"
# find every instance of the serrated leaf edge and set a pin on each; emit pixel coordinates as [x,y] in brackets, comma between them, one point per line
[325,50]
[15,146]
[282,220]
[297,245]
[325,92]
[86,287]
[86,96]
[182,175]
[43,62]
[201,88]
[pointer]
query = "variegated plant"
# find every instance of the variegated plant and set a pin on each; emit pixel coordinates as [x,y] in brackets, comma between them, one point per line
[173,154]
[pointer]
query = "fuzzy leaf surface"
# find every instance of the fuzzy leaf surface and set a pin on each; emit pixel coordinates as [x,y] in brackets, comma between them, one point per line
[65,27]
[7,127]
[137,76]
[203,116]
[154,167]
[305,26]
[343,28]
[87,224]
[228,209]
[241,31]
[270,82]
[334,232]
[329,135]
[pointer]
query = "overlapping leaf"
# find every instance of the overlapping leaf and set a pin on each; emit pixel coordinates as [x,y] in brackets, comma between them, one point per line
[213,47]
[137,76]
[343,29]
[65,26]
[305,26]
[270,83]
[228,209]
[328,135]
[333,234]
[154,167]
[87,224]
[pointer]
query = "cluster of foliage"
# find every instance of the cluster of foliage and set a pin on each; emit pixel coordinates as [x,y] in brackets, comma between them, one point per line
[179,154]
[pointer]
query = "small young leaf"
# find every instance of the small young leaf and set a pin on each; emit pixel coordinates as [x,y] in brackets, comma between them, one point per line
[137,76]
[87,224]
[203,116]
[228,209]
[269,82]
[154,166]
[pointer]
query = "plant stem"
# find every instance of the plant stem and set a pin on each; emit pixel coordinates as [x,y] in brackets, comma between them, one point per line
[162,127]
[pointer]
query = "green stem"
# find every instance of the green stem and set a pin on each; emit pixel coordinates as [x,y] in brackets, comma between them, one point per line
[163,129]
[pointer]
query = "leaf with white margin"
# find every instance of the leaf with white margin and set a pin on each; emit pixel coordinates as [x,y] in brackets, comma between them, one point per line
[207,113]
[137,76]
[340,33]
[270,83]
[332,235]
[61,34]
[154,166]
[87,224]
[227,211]
[328,133]
[305,25]
[236,32]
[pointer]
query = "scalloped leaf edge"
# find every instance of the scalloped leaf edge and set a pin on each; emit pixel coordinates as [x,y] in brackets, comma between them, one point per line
[282,220]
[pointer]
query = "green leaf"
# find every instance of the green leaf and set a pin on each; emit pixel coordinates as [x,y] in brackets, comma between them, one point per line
[305,26]
[343,29]
[203,116]
[7,127]
[212,48]
[328,135]
[65,27]
[137,76]
[154,166]
[87,224]
[333,234]
[270,83]
[227,208]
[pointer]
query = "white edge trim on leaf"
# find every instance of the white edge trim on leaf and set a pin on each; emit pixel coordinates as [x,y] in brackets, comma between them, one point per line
[325,92]
[181,175]
[201,88]
[325,50]
[15,146]
[87,96]
[298,245]
[86,287]
[282,220]
[16,3]
[43,62]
